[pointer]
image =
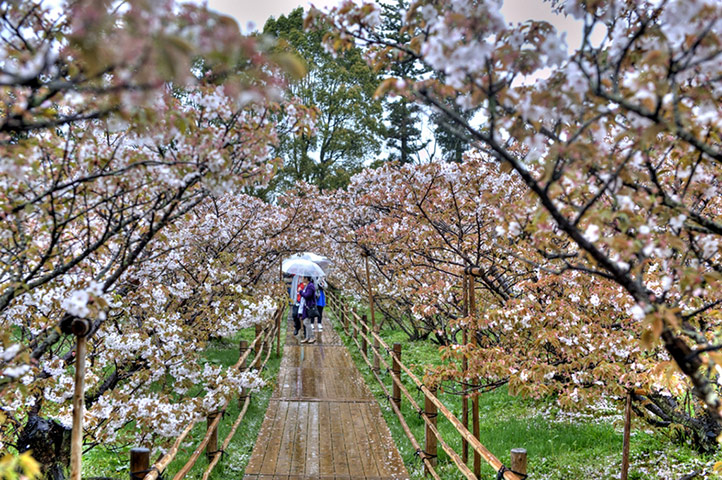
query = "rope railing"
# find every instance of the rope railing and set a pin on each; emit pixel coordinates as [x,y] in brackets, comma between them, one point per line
[404,425]
[427,420]
[217,456]
[467,436]
[262,341]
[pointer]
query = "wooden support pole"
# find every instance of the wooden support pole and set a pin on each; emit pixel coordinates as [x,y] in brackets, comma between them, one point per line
[212,446]
[243,367]
[364,343]
[377,349]
[139,463]
[518,460]
[259,348]
[464,368]
[346,318]
[371,293]
[431,413]
[625,442]
[396,371]
[475,399]
[80,328]
[475,431]
[278,331]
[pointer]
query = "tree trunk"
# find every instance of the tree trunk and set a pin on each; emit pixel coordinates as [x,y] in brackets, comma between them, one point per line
[50,445]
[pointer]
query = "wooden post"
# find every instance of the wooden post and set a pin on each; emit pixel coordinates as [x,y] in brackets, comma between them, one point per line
[627,428]
[371,293]
[139,463]
[346,316]
[465,367]
[243,367]
[518,460]
[278,332]
[212,447]
[80,328]
[396,371]
[364,343]
[259,349]
[431,412]
[377,349]
[475,399]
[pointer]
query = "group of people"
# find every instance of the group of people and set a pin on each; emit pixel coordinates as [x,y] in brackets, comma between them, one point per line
[307,311]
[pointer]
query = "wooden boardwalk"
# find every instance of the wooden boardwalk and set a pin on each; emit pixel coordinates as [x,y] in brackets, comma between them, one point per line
[323,423]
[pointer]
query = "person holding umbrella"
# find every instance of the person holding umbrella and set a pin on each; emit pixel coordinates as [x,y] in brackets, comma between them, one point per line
[310,310]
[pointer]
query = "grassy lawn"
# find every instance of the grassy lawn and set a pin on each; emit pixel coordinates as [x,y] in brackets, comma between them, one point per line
[114,463]
[560,445]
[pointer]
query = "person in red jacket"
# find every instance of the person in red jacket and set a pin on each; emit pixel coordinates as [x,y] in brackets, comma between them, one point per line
[297,316]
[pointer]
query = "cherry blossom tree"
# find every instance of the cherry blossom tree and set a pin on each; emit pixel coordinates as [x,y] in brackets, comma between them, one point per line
[616,145]
[122,122]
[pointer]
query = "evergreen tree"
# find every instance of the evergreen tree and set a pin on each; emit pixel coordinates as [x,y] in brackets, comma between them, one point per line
[403,133]
[341,89]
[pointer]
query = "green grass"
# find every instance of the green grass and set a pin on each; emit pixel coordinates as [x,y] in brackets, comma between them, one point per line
[114,463]
[560,446]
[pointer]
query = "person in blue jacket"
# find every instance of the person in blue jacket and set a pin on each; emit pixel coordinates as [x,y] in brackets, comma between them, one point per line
[321,302]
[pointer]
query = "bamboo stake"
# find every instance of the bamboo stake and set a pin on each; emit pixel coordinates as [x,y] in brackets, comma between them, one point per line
[627,429]
[281,311]
[258,348]
[80,328]
[371,293]
[396,372]
[464,368]
[475,398]
[364,338]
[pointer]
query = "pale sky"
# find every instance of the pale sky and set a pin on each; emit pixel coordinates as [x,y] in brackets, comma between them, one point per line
[258,11]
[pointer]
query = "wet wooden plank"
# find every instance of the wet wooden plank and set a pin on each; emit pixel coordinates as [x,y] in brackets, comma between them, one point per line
[312,441]
[363,439]
[387,453]
[298,460]
[266,431]
[338,443]
[353,454]
[325,449]
[273,444]
[283,463]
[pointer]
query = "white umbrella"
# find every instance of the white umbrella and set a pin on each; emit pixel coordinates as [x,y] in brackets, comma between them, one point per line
[320,260]
[303,267]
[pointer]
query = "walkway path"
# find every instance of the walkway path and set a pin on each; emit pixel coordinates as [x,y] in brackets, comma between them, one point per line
[323,423]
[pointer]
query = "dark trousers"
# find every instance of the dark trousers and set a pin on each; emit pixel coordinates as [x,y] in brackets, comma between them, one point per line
[296,322]
[320,314]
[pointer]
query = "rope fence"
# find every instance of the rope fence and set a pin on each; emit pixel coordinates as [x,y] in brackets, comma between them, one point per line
[363,335]
[140,458]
